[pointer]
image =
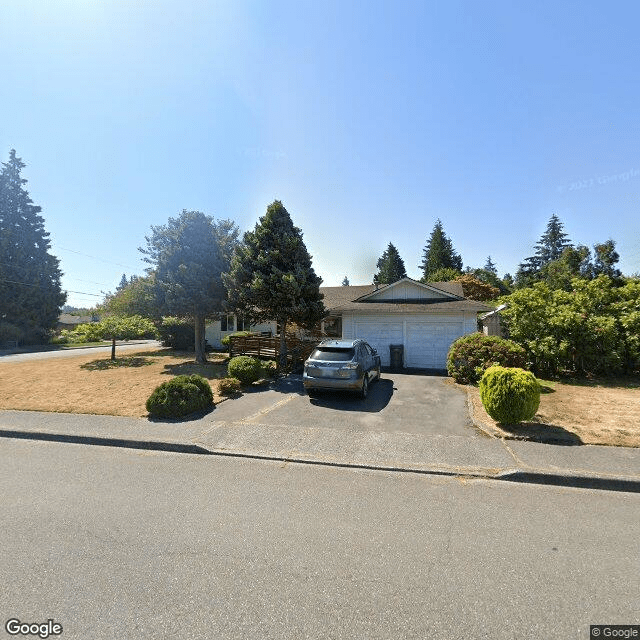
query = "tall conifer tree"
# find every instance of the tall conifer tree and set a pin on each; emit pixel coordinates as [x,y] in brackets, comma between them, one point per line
[271,275]
[439,253]
[390,267]
[31,296]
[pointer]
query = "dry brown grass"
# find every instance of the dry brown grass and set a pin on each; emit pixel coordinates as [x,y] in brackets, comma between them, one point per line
[86,384]
[605,412]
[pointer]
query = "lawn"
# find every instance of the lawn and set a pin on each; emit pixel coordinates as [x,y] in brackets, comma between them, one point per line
[605,412]
[86,384]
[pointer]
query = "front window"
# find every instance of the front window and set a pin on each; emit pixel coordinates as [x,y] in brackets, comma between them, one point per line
[227,323]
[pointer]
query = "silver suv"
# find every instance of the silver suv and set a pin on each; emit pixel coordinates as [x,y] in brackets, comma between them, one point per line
[341,364]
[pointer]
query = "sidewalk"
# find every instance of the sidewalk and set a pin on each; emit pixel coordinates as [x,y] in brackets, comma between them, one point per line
[580,466]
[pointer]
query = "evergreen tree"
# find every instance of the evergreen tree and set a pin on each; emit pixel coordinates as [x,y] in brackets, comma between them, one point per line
[123,283]
[439,253]
[605,259]
[550,247]
[490,266]
[345,282]
[189,255]
[390,267]
[30,292]
[271,276]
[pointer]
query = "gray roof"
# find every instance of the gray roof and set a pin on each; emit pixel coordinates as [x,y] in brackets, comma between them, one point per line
[340,299]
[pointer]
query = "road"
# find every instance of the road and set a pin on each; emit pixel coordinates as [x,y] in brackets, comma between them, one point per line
[122,347]
[115,543]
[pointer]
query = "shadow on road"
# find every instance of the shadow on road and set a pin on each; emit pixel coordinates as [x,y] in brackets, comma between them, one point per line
[541,432]
[379,396]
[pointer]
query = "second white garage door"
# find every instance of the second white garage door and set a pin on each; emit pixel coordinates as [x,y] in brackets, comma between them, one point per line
[428,343]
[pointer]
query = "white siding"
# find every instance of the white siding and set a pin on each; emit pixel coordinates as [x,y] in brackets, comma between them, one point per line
[213,334]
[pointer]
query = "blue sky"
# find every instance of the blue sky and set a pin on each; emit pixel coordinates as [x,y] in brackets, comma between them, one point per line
[369,120]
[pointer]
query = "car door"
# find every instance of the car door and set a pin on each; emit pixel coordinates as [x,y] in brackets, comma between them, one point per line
[366,359]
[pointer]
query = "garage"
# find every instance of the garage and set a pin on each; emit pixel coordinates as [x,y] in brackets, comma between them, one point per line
[424,318]
[380,335]
[427,343]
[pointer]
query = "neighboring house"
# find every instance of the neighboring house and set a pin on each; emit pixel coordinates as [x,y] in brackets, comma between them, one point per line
[491,324]
[69,321]
[424,318]
[230,323]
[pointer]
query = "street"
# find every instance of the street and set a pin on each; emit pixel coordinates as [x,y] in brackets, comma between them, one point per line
[118,543]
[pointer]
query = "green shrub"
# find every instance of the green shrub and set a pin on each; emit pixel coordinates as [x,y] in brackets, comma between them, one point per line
[225,341]
[471,355]
[228,386]
[179,397]
[509,395]
[269,368]
[89,332]
[177,333]
[245,368]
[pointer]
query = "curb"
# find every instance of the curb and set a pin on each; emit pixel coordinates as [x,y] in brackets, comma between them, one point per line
[628,485]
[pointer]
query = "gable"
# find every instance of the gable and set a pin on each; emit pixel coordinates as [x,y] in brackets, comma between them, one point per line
[408,291]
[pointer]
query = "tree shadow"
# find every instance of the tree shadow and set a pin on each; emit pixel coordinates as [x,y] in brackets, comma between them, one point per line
[542,432]
[192,417]
[104,364]
[544,388]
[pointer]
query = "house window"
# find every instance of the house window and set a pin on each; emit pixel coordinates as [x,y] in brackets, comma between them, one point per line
[333,327]
[241,324]
[227,323]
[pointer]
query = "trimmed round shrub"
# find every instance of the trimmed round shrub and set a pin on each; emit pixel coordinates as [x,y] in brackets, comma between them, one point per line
[471,355]
[245,368]
[179,397]
[509,395]
[228,386]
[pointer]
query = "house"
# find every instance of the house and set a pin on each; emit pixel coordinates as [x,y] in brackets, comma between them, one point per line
[491,323]
[230,323]
[424,318]
[70,321]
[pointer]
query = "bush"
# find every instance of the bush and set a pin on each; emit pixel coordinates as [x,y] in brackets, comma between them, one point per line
[245,368]
[509,395]
[470,356]
[225,341]
[179,397]
[269,368]
[228,386]
[89,332]
[177,333]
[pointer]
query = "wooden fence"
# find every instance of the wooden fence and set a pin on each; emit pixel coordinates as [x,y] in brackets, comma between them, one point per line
[266,347]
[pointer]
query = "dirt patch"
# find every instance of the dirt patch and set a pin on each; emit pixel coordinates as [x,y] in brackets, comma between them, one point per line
[86,384]
[605,412]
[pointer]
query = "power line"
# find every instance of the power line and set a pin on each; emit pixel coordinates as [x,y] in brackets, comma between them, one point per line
[86,255]
[37,286]
[20,266]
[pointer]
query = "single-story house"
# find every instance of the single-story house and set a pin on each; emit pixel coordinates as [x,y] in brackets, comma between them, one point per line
[70,321]
[424,318]
[230,323]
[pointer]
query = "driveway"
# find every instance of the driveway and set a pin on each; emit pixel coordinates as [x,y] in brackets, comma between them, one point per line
[408,403]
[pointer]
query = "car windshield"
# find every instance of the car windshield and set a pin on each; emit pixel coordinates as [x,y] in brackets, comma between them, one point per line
[332,354]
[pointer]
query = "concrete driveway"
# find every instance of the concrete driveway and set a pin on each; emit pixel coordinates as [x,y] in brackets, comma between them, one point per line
[408,403]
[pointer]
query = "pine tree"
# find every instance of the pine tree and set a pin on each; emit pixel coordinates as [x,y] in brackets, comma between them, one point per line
[345,282]
[188,256]
[490,266]
[123,283]
[271,276]
[439,253]
[30,292]
[605,259]
[390,267]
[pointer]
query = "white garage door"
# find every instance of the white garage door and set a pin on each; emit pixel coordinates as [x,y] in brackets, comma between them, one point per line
[428,343]
[380,335]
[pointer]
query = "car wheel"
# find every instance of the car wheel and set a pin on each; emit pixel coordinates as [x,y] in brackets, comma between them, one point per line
[365,387]
[311,393]
[377,374]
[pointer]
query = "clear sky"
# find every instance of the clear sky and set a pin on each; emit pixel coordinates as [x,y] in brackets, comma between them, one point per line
[369,120]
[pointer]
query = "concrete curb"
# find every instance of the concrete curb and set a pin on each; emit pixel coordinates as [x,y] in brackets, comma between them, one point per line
[516,475]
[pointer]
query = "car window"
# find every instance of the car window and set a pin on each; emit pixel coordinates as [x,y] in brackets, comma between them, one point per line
[333,354]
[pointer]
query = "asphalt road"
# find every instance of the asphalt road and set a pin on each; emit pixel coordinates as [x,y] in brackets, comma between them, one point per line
[121,347]
[116,543]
